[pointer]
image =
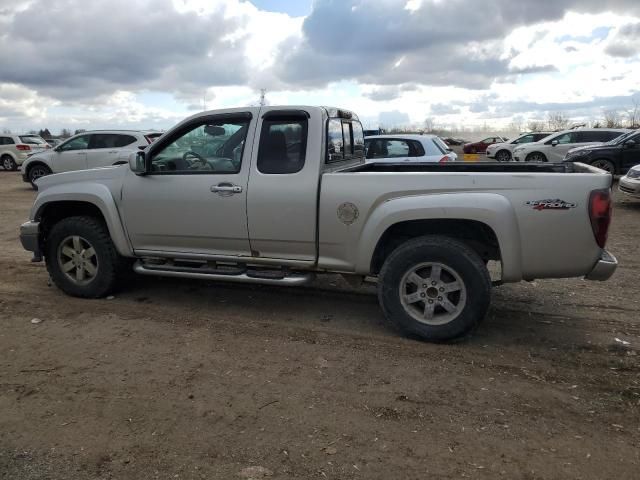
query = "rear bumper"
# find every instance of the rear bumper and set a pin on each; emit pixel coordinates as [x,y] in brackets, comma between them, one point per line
[30,238]
[604,267]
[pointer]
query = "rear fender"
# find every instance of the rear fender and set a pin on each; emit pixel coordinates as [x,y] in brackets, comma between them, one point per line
[493,210]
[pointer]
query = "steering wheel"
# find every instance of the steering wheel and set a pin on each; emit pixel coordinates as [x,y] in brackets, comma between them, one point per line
[198,157]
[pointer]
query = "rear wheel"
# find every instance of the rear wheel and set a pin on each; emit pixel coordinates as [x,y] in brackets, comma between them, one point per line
[536,157]
[605,165]
[9,164]
[434,287]
[36,171]
[81,257]
[503,156]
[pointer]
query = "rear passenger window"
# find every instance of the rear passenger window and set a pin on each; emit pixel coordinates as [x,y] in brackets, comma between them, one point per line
[345,140]
[283,145]
[124,140]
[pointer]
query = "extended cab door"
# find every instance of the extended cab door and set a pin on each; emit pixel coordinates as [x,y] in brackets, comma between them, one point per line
[193,198]
[283,185]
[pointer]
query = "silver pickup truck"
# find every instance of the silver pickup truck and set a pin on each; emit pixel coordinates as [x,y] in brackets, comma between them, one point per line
[276,195]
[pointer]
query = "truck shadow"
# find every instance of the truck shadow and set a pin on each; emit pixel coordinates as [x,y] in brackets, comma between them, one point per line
[330,304]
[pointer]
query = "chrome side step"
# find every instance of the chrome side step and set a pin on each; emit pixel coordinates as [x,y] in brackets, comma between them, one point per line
[247,276]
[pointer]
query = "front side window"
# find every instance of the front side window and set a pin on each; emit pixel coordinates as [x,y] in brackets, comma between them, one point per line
[283,145]
[211,147]
[77,143]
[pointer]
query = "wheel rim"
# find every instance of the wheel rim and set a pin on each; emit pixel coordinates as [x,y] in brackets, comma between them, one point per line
[37,172]
[7,164]
[536,157]
[433,293]
[503,156]
[78,260]
[604,165]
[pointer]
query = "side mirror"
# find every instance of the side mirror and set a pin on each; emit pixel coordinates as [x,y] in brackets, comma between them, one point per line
[137,163]
[57,149]
[630,143]
[554,143]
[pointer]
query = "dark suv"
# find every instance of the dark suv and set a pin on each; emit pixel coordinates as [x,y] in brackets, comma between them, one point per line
[616,156]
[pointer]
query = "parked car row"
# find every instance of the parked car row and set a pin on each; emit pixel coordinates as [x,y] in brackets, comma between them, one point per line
[99,148]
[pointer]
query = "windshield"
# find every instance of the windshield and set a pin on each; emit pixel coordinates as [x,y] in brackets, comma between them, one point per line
[32,140]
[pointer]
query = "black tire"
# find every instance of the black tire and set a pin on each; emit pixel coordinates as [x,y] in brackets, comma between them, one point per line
[605,165]
[36,171]
[451,254]
[8,163]
[503,156]
[108,264]
[536,157]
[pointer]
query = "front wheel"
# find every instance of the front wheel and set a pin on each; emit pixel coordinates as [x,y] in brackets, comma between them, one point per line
[503,156]
[434,287]
[605,165]
[536,157]
[37,171]
[81,257]
[9,163]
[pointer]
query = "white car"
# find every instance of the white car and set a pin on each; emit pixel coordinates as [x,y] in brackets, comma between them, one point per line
[554,147]
[98,148]
[407,148]
[630,183]
[15,149]
[502,152]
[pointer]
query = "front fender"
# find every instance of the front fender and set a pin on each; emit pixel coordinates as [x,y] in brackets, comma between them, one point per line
[96,194]
[492,209]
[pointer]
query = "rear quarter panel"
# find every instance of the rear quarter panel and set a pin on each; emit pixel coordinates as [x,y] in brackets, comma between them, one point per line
[534,243]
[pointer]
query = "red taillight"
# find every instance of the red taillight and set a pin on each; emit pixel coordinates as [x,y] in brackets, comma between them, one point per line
[600,214]
[24,148]
[444,159]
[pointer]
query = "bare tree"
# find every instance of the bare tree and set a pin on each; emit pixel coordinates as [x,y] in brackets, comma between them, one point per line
[6,131]
[535,125]
[633,114]
[516,124]
[557,121]
[612,119]
[429,124]
[65,133]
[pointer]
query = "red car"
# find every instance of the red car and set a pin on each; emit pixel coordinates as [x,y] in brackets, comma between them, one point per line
[481,146]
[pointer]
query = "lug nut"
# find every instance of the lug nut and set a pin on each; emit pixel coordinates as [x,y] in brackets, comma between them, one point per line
[442,289]
[422,295]
[433,283]
[430,301]
[439,299]
[424,286]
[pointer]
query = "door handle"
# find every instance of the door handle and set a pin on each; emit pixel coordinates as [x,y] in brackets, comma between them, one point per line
[226,189]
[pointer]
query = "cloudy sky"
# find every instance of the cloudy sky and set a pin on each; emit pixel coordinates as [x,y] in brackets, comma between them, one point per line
[149,63]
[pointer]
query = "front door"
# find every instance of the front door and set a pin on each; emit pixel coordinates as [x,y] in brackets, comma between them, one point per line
[106,148]
[71,155]
[193,199]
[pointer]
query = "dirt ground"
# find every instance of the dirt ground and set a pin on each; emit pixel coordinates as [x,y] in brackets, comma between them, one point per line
[195,380]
